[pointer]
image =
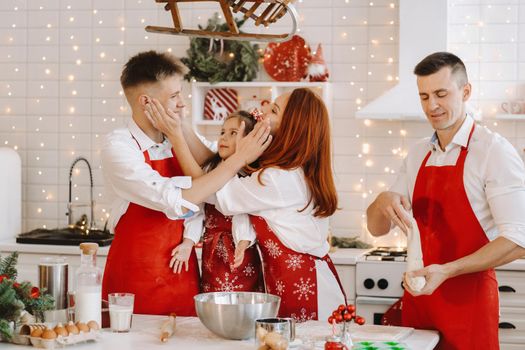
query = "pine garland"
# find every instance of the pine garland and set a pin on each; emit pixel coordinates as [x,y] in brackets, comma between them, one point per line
[16,297]
[235,61]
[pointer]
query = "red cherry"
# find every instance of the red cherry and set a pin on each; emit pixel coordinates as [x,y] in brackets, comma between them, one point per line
[347,316]
[336,313]
[338,318]
[350,308]
[331,319]
[341,308]
[360,320]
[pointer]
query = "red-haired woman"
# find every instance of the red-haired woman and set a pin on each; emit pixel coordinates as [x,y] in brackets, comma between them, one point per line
[290,197]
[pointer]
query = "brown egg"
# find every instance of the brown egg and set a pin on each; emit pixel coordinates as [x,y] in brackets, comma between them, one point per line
[49,334]
[82,326]
[37,332]
[61,330]
[93,325]
[71,328]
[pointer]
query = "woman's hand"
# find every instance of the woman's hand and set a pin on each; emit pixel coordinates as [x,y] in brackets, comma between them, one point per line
[164,120]
[239,253]
[180,255]
[251,146]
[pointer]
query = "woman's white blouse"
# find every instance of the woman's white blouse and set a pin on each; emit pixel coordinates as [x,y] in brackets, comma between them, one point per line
[279,200]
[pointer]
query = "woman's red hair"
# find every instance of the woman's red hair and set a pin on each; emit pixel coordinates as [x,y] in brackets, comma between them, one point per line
[303,141]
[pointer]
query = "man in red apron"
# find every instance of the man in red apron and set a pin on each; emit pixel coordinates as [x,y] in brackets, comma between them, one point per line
[464,187]
[153,196]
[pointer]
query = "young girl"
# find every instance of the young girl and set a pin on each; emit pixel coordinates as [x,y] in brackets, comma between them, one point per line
[290,198]
[218,251]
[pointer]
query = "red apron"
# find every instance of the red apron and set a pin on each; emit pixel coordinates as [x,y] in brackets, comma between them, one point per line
[464,309]
[218,250]
[138,260]
[289,274]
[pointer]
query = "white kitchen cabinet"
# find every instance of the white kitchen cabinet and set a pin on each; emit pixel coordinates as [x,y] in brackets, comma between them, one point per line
[268,90]
[511,285]
[347,277]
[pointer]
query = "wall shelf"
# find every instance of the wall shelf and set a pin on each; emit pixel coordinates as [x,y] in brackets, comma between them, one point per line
[505,116]
[262,89]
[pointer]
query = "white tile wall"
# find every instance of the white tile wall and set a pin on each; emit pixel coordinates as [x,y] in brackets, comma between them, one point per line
[60,62]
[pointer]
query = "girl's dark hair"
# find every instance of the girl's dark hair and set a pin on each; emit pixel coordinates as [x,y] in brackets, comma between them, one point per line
[249,124]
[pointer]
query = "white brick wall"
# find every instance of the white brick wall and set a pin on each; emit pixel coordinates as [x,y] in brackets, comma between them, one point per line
[60,61]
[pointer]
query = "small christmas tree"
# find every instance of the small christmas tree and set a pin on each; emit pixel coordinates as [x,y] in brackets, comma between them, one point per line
[16,297]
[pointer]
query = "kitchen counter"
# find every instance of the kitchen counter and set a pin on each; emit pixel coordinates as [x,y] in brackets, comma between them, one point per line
[339,256]
[191,334]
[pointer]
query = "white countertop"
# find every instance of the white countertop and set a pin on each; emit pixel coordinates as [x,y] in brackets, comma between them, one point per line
[341,256]
[191,334]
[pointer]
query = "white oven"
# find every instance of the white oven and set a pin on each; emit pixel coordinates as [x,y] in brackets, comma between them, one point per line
[379,275]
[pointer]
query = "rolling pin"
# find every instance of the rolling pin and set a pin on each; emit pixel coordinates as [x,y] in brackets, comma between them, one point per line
[167,328]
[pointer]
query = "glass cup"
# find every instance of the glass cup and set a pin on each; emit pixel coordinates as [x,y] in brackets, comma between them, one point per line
[276,331]
[120,311]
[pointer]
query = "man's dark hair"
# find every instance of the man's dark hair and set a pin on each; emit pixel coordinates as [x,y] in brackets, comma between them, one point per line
[438,60]
[150,67]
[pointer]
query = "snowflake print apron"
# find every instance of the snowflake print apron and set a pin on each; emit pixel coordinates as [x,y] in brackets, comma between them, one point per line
[218,274]
[290,275]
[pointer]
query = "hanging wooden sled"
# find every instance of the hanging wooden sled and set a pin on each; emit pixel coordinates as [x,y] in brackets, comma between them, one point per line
[263,12]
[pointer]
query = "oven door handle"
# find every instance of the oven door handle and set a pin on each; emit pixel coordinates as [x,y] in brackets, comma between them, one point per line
[375,300]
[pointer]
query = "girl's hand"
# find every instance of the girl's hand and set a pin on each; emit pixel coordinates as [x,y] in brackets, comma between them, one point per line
[164,120]
[180,255]
[251,146]
[239,253]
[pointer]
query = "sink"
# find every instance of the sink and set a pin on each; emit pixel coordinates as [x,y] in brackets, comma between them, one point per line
[65,236]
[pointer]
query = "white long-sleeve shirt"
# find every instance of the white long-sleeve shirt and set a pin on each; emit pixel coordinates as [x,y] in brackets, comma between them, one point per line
[494,178]
[133,180]
[279,202]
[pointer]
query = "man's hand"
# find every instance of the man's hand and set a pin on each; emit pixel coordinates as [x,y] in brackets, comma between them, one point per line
[251,146]
[239,253]
[164,120]
[394,207]
[434,275]
[180,255]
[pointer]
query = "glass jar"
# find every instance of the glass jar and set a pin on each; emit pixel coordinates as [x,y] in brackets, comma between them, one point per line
[334,343]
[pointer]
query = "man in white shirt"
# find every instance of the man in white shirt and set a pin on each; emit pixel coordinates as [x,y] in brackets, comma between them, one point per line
[465,187]
[153,196]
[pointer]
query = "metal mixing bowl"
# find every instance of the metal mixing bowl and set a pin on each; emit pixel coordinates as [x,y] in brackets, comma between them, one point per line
[232,315]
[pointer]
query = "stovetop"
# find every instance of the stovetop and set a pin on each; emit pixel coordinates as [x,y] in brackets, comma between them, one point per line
[65,236]
[387,254]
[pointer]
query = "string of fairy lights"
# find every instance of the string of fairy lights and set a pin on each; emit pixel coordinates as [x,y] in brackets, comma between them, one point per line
[63,83]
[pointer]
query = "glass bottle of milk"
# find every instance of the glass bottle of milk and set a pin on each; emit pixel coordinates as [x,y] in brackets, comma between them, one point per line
[88,291]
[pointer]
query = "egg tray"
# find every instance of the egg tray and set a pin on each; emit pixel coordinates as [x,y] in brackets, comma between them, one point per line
[60,341]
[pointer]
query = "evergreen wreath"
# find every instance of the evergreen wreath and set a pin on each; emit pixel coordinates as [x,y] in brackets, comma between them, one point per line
[216,60]
[16,297]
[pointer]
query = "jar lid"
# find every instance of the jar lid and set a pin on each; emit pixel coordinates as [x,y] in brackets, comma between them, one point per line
[89,248]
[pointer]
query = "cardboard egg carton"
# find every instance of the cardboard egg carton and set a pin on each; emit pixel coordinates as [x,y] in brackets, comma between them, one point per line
[60,341]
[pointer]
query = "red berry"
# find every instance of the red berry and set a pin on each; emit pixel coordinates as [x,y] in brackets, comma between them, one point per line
[339,318]
[330,319]
[341,308]
[350,308]
[336,313]
[347,316]
[360,320]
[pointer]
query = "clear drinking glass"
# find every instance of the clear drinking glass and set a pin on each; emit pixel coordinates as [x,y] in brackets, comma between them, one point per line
[120,311]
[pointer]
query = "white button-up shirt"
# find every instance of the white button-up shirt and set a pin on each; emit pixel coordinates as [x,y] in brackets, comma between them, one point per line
[133,180]
[279,202]
[494,178]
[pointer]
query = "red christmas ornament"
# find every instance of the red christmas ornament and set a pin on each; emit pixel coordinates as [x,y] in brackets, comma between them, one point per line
[287,61]
[317,69]
[3,277]
[35,293]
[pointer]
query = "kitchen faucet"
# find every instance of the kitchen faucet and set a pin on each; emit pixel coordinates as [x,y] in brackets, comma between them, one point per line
[70,205]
